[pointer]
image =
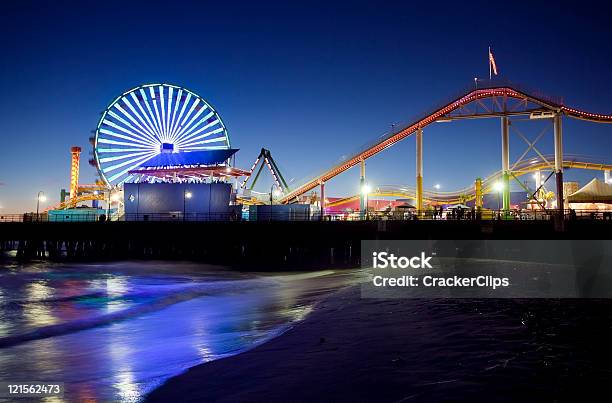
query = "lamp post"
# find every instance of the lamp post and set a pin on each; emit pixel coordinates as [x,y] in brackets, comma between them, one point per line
[111,199]
[499,187]
[274,192]
[39,197]
[186,195]
[365,191]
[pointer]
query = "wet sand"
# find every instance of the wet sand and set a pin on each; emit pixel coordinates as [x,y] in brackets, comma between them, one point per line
[353,349]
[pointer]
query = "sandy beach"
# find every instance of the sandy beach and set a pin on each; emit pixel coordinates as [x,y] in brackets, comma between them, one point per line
[352,349]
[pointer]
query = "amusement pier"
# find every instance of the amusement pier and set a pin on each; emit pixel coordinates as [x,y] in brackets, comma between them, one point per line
[169,188]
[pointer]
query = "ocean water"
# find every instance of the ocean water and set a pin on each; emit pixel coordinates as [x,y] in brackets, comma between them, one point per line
[114,332]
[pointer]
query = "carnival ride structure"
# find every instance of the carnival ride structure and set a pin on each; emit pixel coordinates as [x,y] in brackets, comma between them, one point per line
[505,101]
[154,119]
[481,186]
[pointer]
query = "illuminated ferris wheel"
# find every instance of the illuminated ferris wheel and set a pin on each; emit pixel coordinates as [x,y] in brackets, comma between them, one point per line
[152,119]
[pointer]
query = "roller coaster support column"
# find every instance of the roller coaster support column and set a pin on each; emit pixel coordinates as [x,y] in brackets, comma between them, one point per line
[505,123]
[478,193]
[607,178]
[559,162]
[74,173]
[419,170]
[362,193]
[322,200]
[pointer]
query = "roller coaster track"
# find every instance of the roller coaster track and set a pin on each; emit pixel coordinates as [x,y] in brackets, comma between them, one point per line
[506,92]
[71,203]
[468,193]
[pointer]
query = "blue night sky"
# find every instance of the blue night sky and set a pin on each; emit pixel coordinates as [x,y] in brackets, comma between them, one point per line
[311,81]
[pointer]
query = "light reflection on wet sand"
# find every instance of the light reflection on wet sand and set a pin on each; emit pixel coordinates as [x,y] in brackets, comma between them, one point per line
[178,316]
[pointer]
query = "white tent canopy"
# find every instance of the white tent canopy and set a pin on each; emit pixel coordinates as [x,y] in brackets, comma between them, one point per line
[457,206]
[595,191]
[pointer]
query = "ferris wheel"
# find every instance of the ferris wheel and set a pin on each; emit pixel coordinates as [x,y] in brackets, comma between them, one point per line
[151,119]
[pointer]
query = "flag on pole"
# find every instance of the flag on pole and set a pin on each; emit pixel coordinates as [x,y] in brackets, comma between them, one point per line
[492,65]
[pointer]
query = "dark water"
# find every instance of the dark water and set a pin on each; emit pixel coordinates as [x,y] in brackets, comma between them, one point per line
[512,350]
[113,332]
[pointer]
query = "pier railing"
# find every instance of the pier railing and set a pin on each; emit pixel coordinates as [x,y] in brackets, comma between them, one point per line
[432,215]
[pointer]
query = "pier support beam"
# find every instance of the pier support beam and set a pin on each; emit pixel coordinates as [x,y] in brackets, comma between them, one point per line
[505,126]
[419,170]
[559,162]
[362,191]
[478,193]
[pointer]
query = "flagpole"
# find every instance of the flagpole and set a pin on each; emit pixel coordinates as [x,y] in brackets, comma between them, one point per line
[489,55]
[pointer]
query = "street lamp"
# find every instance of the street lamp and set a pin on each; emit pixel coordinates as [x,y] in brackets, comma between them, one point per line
[365,191]
[186,195]
[274,192]
[111,198]
[499,187]
[437,186]
[40,197]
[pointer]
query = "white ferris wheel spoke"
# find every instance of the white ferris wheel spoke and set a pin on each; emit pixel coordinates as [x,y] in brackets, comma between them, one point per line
[176,107]
[215,140]
[148,105]
[149,124]
[122,143]
[149,115]
[145,131]
[188,126]
[129,138]
[117,150]
[124,156]
[195,140]
[193,106]
[177,124]
[120,119]
[170,94]
[159,123]
[188,136]
[134,126]
[138,159]
[163,112]
[136,136]
[189,133]
[200,148]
